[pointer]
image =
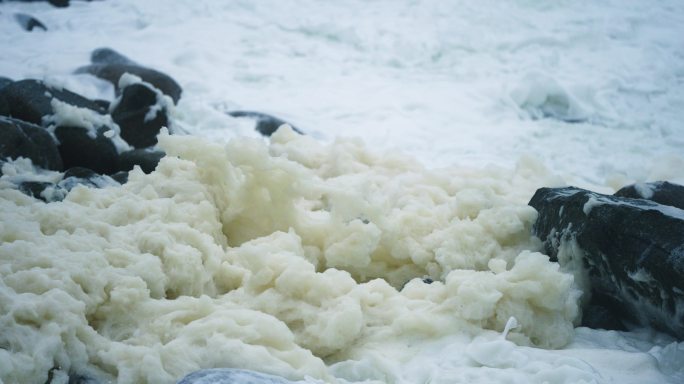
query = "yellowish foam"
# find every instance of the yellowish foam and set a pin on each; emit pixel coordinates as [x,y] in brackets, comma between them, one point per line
[282,258]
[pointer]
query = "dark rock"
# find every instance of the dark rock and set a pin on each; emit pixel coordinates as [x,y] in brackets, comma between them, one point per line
[75,378]
[600,316]
[28,22]
[146,159]
[80,173]
[82,176]
[30,100]
[265,124]
[34,188]
[59,3]
[104,104]
[79,149]
[22,139]
[4,81]
[139,102]
[109,56]
[56,3]
[231,376]
[662,192]
[4,106]
[632,250]
[109,65]
[74,177]
[121,177]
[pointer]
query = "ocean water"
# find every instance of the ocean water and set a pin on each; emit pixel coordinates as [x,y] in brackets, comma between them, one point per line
[429,125]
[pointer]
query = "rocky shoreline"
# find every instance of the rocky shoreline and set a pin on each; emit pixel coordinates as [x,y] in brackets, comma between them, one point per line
[91,142]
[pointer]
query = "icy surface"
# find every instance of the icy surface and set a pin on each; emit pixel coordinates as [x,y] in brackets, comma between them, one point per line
[592,91]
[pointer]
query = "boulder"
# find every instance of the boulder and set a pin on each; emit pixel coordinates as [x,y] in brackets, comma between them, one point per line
[265,124]
[120,177]
[30,100]
[81,175]
[231,376]
[34,188]
[140,115]
[630,251]
[147,160]
[53,186]
[109,56]
[80,131]
[22,139]
[79,149]
[86,177]
[28,22]
[109,65]
[662,192]
[73,177]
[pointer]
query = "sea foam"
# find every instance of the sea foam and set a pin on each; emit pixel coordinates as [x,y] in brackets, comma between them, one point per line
[283,258]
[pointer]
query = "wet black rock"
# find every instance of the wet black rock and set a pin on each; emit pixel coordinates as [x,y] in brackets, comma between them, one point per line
[30,100]
[597,315]
[78,149]
[104,104]
[632,251]
[86,177]
[56,3]
[57,191]
[231,376]
[34,188]
[109,65]
[120,177]
[140,115]
[80,173]
[662,192]
[28,22]
[22,139]
[146,159]
[75,378]
[265,124]
[109,56]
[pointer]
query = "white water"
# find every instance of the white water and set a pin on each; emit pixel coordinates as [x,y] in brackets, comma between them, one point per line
[453,84]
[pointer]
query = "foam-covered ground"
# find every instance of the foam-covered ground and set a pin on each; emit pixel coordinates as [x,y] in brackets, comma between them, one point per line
[266,257]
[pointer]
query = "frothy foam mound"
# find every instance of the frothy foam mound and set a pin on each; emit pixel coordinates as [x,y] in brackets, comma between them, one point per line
[282,258]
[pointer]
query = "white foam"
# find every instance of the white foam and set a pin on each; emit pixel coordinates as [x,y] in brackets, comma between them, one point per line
[65,114]
[645,191]
[595,200]
[266,241]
